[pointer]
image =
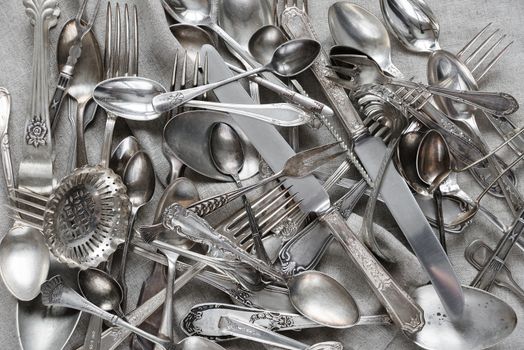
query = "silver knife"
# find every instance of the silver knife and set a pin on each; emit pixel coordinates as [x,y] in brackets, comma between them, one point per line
[394,190]
[313,198]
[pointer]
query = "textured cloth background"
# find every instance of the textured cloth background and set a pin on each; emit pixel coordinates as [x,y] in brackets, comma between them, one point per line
[459,21]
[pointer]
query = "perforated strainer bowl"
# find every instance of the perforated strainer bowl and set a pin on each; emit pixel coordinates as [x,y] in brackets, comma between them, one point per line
[86,217]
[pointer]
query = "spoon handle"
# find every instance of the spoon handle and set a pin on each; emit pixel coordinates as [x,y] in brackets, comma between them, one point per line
[93,334]
[170,100]
[400,306]
[236,327]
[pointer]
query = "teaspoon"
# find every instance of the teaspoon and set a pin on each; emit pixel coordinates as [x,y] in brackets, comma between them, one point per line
[352,25]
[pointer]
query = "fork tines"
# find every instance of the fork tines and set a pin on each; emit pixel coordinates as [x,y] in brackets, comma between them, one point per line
[121,42]
[485,49]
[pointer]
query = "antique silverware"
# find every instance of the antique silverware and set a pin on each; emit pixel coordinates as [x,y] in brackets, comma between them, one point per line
[228,156]
[412,23]
[203,319]
[474,330]
[39,326]
[486,276]
[290,58]
[139,180]
[394,191]
[56,293]
[478,254]
[75,47]
[134,98]
[35,172]
[24,256]
[352,25]
[122,153]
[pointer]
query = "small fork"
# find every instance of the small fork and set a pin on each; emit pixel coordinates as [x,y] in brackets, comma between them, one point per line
[475,66]
[281,5]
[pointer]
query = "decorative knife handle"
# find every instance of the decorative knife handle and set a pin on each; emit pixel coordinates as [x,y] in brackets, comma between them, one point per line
[486,277]
[297,25]
[400,306]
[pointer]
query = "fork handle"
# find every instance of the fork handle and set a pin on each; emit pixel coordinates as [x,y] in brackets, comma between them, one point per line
[486,277]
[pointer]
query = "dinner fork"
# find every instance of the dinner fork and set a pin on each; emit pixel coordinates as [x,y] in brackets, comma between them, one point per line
[120,59]
[476,66]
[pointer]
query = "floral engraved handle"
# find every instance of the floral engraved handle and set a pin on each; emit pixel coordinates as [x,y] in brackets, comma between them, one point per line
[400,306]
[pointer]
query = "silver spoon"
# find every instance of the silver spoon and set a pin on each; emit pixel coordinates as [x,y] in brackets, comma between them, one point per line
[184,192]
[134,98]
[122,153]
[101,289]
[434,161]
[187,137]
[24,256]
[486,321]
[227,155]
[413,24]
[289,59]
[352,25]
[240,19]
[264,41]
[139,178]
[88,73]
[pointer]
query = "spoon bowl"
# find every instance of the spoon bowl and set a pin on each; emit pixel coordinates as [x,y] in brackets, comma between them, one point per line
[187,135]
[24,261]
[191,37]
[101,289]
[197,343]
[226,149]
[354,26]
[486,320]
[264,41]
[413,24]
[125,150]
[294,56]
[309,291]
[433,159]
[139,178]
[193,12]
[406,159]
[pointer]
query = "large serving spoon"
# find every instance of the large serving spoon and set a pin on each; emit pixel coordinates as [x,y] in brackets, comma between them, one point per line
[88,73]
[24,256]
[289,59]
[134,98]
[139,178]
[56,293]
[352,25]
[413,24]
[227,155]
[486,320]
[433,164]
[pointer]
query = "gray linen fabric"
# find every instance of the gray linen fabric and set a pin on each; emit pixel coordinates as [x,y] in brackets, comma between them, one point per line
[459,21]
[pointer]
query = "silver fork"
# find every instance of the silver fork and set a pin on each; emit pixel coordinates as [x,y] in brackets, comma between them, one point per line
[280,5]
[476,64]
[120,58]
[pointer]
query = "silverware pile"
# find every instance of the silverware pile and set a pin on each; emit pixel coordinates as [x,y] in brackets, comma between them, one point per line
[408,141]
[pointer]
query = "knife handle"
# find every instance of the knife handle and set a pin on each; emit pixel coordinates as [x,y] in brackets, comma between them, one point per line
[400,306]
[58,97]
[486,277]
[297,25]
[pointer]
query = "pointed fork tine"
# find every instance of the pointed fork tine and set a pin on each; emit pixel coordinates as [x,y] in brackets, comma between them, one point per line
[28,203]
[482,45]
[108,42]
[184,72]
[25,213]
[492,63]
[93,16]
[172,87]
[206,74]
[195,69]
[126,44]
[134,54]
[116,38]
[80,12]
[469,44]
[31,194]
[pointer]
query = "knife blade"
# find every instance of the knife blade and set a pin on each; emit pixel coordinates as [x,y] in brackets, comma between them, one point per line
[312,196]
[394,190]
